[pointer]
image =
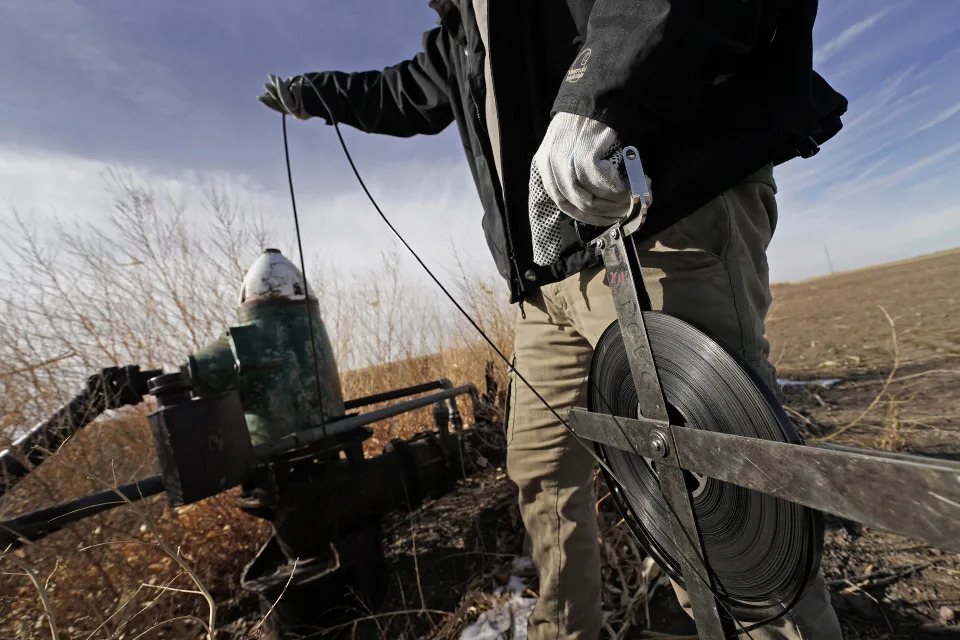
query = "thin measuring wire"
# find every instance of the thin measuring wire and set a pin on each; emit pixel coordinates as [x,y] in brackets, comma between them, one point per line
[303,272]
[489,341]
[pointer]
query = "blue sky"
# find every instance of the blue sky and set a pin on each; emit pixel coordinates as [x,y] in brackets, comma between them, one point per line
[168,90]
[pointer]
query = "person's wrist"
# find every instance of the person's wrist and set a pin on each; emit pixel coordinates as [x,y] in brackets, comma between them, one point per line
[310,101]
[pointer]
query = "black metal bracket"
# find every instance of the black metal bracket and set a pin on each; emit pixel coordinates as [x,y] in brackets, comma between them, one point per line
[303,439]
[395,394]
[110,388]
[630,298]
[38,524]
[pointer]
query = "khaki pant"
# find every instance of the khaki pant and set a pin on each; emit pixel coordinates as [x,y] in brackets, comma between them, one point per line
[709,269]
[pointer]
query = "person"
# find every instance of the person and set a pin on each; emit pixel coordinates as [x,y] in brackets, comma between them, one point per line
[713,95]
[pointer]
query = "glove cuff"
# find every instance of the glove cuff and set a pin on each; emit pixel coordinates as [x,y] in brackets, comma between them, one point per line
[310,88]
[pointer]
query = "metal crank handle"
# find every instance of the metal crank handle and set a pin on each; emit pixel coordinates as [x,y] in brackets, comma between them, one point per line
[640,200]
[640,196]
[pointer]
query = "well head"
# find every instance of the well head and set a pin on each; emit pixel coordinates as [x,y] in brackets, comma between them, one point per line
[272,277]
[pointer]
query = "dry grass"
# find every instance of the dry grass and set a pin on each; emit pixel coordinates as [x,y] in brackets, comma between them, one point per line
[630,577]
[154,283]
[895,345]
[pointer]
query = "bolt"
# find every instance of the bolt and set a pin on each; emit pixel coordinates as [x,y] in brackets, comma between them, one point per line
[658,443]
[614,234]
[601,244]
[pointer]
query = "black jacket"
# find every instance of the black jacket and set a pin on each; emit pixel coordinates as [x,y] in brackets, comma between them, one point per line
[707,90]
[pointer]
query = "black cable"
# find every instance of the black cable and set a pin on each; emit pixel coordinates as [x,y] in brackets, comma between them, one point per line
[463,312]
[303,271]
[489,341]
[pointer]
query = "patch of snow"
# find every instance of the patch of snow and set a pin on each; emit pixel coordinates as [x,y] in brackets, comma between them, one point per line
[825,383]
[508,617]
[507,620]
[514,585]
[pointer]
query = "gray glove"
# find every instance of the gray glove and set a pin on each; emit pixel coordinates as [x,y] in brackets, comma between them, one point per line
[285,95]
[545,221]
[580,166]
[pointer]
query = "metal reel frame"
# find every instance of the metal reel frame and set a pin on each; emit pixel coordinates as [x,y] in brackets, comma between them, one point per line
[914,496]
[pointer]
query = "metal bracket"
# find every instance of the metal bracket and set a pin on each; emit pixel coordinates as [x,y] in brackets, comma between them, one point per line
[625,278]
[910,495]
[640,196]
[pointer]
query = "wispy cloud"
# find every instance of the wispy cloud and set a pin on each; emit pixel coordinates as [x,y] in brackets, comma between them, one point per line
[883,99]
[891,179]
[143,82]
[848,35]
[70,30]
[940,118]
[930,159]
[872,168]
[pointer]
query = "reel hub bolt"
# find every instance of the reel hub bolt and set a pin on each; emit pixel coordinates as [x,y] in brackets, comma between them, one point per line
[658,443]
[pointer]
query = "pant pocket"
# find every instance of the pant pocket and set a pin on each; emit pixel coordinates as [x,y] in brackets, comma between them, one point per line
[510,409]
[706,230]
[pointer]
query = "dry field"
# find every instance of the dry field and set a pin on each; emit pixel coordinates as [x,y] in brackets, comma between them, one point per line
[891,335]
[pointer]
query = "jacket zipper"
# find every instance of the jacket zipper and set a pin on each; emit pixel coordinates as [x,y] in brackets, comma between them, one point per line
[515,276]
[476,109]
[511,254]
[515,268]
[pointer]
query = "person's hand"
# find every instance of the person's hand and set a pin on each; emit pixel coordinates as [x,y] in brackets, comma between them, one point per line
[285,95]
[582,170]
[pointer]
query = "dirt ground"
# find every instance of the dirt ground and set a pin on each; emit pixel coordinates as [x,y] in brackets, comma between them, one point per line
[890,334]
[887,338]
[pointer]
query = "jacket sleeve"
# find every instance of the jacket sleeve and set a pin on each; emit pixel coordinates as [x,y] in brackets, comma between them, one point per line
[646,63]
[406,99]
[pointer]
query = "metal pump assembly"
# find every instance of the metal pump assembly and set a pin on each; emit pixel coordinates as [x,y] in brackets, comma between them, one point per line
[262,408]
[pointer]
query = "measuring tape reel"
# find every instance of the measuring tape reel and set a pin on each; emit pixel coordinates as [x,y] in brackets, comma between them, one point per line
[761,551]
